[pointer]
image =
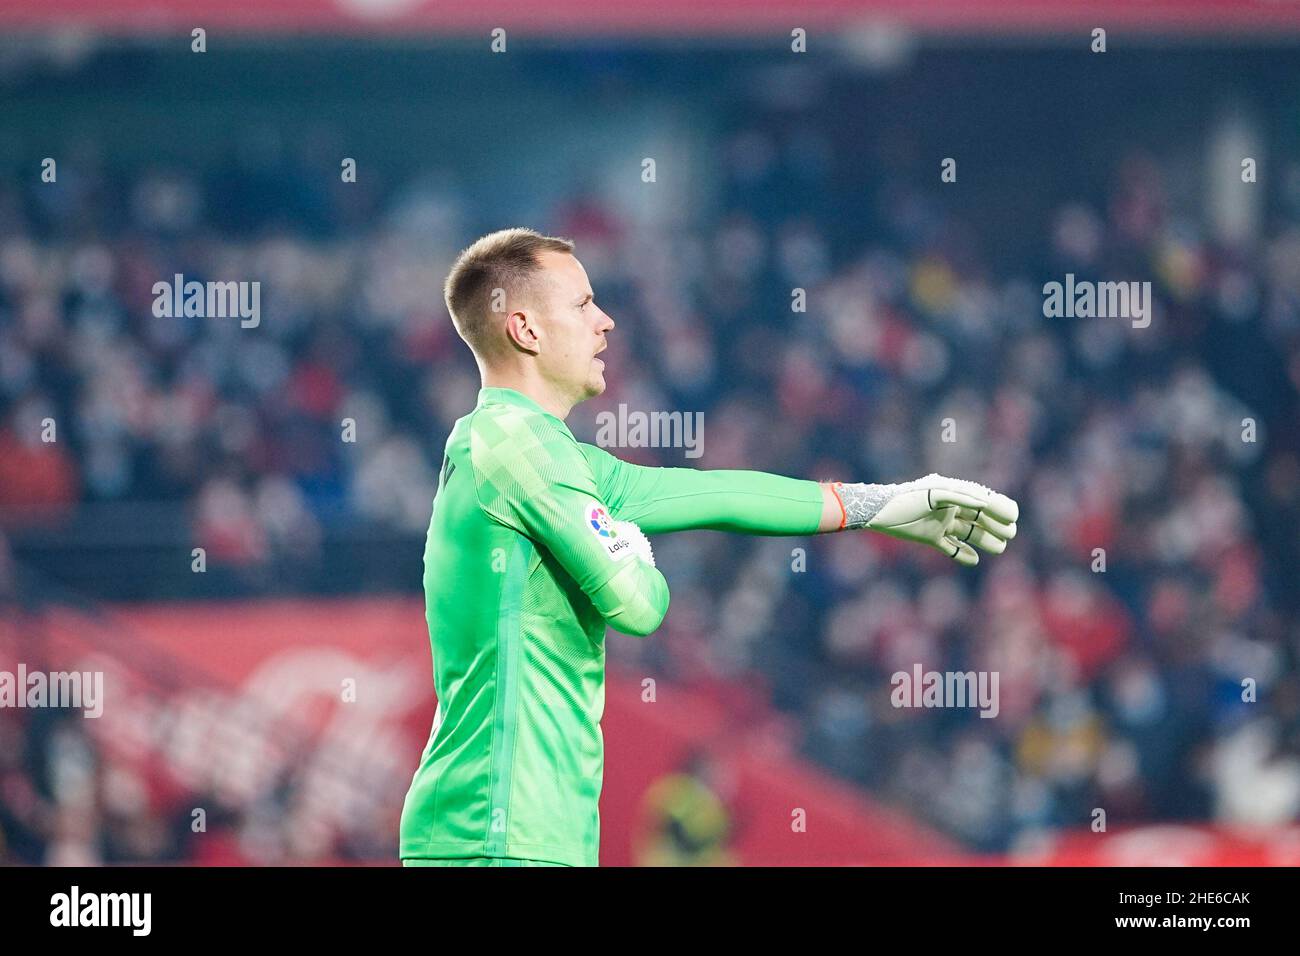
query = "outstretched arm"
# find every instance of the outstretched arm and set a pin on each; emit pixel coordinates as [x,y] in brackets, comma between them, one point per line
[945,513]
[684,499]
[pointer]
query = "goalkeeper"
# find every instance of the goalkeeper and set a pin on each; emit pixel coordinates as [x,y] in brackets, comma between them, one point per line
[534,548]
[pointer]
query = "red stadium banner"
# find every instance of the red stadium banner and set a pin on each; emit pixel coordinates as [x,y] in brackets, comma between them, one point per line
[1169,845]
[214,706]
[572,18]
[220,706]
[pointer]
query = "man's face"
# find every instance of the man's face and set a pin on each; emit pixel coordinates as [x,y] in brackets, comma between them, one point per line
[572,328]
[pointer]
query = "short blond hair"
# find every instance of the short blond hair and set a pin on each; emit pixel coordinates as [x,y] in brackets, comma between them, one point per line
[506,259]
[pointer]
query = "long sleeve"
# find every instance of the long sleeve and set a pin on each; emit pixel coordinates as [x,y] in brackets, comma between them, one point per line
[681,499]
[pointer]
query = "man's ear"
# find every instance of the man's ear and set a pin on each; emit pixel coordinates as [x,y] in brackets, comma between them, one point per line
[521,330]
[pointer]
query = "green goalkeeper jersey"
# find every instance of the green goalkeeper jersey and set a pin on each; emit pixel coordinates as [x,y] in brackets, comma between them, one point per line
[523,571]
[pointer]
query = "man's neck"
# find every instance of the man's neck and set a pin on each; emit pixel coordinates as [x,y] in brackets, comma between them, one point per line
[530,387]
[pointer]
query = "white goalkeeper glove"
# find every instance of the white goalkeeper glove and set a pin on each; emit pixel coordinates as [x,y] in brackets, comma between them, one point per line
[640,543]
[946,513]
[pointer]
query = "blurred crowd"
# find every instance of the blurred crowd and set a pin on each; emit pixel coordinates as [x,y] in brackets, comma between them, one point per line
[1142,624]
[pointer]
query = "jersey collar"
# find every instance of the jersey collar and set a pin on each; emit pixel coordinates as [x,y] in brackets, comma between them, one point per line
[510,397]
